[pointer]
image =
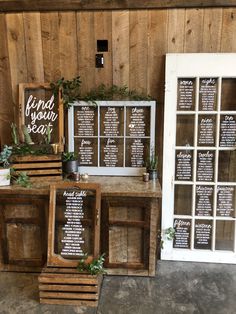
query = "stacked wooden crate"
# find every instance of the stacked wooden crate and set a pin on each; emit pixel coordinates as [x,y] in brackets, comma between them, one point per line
[67,286]
[38,167]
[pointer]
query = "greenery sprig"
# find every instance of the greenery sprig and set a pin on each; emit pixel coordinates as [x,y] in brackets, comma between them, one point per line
[94,268]
[20,178]
[70,92]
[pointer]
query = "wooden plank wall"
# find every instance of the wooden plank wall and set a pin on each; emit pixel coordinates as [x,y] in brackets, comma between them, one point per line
[46,46]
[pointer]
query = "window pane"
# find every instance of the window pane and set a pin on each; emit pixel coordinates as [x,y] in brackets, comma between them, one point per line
[225,235]
[206,130]
[227,166]
[186,94]
[205,165]
[111,152]
[112,121]
[208,94]
[184,165]
[228,130]
[87,149]
[185,130]
[203,234]
[226,201]
[182,233]
[204,200]
[183,199]
[228,94]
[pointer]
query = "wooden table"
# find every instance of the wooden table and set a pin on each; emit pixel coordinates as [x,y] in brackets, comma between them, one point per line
[130,223]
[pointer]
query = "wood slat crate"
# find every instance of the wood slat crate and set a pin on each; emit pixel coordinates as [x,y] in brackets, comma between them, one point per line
[39,167]
[68,287]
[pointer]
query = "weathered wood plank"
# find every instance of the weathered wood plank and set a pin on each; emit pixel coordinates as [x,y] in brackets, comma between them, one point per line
[50,46]
[33,41]
[47,5]
[228,42]
[6,112]
[66,295]
[212,30]
[69,302]
[120,47]
[193,30]
[138,50]
[86,50]
[176,25]
[68,287]
[102,31]
[67,45]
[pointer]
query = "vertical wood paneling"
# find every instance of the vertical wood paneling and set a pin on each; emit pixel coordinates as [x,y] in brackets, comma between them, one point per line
[103,30]
[6,111]
[193,30]
[17,54]
[176,28]
[86,49]
[138,50]
[212,30]
[33,42]
[68,54]
[120,47]
[228,41]
[50,46]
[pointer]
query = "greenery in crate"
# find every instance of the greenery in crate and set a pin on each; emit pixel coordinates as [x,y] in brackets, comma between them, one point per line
[26,149]
[94,268]
[5,156]
[20,178]
[70,92]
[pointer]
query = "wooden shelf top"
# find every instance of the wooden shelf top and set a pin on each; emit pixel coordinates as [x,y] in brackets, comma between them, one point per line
[110,186]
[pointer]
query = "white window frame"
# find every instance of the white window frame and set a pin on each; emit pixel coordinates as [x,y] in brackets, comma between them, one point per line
[197,66]
[119,171]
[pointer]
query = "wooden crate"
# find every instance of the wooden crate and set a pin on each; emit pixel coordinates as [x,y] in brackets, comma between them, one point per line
[68,287]
[39,167]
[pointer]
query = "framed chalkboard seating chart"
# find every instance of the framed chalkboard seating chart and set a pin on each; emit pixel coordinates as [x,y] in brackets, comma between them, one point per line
[41,111]
[74,223]
[199,170]
[112,137]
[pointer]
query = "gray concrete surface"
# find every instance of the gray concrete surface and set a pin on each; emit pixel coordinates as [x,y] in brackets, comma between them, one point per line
[179,287]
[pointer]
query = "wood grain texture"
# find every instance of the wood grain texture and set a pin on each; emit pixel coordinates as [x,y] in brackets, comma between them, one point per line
[176,26]
[193,30]
[120,47]
[34,52]
[6,112]
[68,55]
[45,5]
[228,36]
[138,50]
[86,49]
[212,30]
[50,46]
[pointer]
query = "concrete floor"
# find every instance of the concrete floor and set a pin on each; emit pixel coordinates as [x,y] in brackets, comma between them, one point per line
[177,288]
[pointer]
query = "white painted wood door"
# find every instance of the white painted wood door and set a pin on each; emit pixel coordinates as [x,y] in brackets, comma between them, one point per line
[199,167]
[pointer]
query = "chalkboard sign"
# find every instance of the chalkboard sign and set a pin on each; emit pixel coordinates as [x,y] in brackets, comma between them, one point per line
[40,110]
[208,94]
[228,130]
[186,94]
[184,165]
[206,130]
[204,200]
[226,201]
[74,223]
[205,165]
[203,234]
[112,137]
[182,233]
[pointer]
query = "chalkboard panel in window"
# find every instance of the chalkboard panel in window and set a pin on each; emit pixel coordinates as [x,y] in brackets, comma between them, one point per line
[40,111]
[74,223]
[112,137]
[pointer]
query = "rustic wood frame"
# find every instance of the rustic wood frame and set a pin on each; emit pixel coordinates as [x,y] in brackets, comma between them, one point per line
[55,259]
[63,5]
[21,121]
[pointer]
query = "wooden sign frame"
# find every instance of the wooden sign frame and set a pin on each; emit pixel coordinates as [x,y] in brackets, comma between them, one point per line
[34,86]
[57,260]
